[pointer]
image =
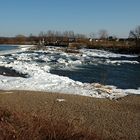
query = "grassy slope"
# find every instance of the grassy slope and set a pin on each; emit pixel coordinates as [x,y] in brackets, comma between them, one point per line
[84,116]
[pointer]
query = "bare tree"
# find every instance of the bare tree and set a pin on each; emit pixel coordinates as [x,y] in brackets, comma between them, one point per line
[50,33]
[58,34]
[136,35]
[21,39]
[92,35]
[103,34]
[82,36]
[41,34]
[71,34]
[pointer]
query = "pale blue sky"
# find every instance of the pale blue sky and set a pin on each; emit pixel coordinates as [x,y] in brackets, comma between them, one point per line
[118,17]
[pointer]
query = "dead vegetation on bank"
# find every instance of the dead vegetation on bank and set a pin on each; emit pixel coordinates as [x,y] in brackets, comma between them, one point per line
[47,116]
[25,126]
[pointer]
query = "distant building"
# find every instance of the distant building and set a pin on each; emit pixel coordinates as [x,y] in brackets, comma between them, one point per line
[71,39]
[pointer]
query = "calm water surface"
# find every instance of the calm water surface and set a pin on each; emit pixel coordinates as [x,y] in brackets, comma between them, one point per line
[7,47]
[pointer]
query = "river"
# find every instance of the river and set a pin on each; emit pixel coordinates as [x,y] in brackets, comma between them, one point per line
[57,71]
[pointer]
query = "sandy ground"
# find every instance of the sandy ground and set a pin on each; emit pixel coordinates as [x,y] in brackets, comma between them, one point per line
[110,119]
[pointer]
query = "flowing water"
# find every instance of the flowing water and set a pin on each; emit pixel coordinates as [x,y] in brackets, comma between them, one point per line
[126,76]
[96,66]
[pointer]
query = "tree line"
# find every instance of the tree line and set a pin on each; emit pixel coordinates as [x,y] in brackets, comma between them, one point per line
[101,38]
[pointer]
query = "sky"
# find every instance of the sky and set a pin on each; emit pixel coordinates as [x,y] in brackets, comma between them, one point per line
[118,17]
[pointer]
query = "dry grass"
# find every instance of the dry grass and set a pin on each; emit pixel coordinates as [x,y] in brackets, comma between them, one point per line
[71,51]
[76,45]
[23,126]
[37,115]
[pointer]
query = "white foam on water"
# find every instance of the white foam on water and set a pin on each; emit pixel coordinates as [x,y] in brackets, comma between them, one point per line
[41,80]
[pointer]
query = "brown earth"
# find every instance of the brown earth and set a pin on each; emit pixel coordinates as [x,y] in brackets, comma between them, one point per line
[75,118]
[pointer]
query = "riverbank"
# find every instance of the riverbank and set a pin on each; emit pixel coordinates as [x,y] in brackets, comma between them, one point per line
[117,49]
[99,118]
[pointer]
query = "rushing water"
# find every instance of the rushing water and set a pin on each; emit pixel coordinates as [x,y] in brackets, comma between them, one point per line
[124,76]
[122,72]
